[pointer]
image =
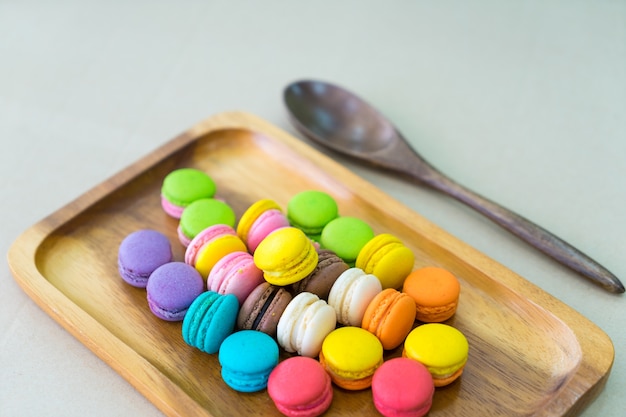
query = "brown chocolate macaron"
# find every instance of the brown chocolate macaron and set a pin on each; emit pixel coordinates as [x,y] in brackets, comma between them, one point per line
[262,309]
[320,281]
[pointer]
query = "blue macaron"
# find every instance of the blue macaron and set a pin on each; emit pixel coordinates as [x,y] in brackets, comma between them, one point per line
[247,358]
[210,319]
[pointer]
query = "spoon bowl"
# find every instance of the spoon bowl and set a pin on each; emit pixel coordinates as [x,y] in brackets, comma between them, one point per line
[337,120]
[340,120]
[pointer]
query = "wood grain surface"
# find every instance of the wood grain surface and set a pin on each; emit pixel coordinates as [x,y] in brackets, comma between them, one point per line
[530,354]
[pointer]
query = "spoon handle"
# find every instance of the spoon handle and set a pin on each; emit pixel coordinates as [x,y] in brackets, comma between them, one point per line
[528,231]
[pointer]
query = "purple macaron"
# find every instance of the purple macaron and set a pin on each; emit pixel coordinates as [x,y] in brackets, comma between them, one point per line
[140,253]
[172,288]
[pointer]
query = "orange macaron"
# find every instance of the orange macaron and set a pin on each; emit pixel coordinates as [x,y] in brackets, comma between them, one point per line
[435,292]
[390,317]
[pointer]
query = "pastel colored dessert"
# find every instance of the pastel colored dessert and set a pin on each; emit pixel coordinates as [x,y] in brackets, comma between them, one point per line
[171,289]
[258,221]
[140,253]
[435,292]
[235,273]
[262,309]
[201,214]
[210,319]
[285,256]
[390,317]
[304,324]
[402,387]
[247,358]
[388,258]
[320,281]
[346,236]
[211,245]
[300,387]
[351,355]
[443,349]
[182,187]
[351,294]
[310,211]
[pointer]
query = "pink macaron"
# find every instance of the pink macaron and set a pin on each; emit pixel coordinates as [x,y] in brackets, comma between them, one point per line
[235,274]
[211,245]
[260,219]
[264,225]
[300,387]
[402,387]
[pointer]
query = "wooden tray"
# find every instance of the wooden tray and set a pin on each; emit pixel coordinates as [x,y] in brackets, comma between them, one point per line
[529,353]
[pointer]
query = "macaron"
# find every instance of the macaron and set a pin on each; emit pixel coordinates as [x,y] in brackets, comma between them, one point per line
[182,187]
[260,219]
[435,292]
[350,295]
[402,387]
[235,273]
[346,236]
[310,211]
[320,281]
[285,256]
[210,245]
[171,289]
[300,387]
[304,324]
[390,317]
[262,309]
[247,358]
[140,253]
[201,214]
[388,258]
[210,319]
[351,355]
[443,349]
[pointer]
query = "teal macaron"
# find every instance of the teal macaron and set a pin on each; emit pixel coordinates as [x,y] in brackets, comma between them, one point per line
[210,319]
[247,358]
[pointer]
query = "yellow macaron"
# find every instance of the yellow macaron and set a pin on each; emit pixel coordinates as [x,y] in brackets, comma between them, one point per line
[285,256]
[443,349]
[351,355]
[386,257]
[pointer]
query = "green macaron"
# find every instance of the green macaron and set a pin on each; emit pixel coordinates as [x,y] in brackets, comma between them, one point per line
[310,211]
[182,187]
[201,214]
[346,236]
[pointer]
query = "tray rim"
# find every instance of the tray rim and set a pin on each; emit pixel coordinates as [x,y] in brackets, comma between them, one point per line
[138,371]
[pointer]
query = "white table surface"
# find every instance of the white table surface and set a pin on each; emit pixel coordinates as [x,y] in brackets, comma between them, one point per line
[522,101]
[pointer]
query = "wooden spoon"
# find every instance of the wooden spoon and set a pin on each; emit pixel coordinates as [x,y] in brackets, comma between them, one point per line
[338,119]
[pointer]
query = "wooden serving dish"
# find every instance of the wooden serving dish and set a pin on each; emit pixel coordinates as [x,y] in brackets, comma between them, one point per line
[529,353]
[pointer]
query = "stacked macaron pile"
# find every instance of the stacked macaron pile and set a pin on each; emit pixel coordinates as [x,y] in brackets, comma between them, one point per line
[336,297]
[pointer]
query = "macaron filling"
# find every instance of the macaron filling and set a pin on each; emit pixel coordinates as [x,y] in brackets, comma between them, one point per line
[273,291]
[170,314]
[350,380]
